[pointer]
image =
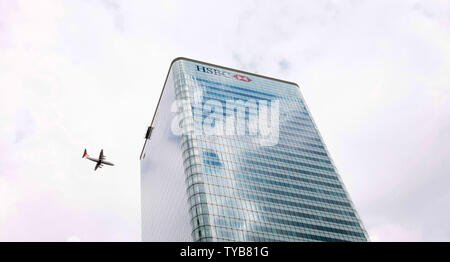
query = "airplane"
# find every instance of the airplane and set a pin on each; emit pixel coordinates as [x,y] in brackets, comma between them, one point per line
[100,161]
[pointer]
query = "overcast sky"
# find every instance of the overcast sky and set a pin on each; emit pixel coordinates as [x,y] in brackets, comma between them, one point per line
[88,74]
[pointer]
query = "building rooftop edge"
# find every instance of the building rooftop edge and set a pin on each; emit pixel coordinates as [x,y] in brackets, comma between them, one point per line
[231,69]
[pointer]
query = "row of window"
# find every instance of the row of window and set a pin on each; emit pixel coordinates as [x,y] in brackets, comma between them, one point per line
[243,162]
[235,93]
[190,83]
[239,215]
[268,87]
[293,126]
[300,149]
[249,109]
[291,169]
[288,185]
[294,204]
[239,218]
[227,235]
[242,157]
[291,194]
[294,141]
[290,177]
[224,93]
[284,130]
[222,198]
[277,231]
[218,192]
[225,84]
[248,113]
[302,118]
[289,102]
[224,177]
[198,169]
[257,210]
[213,176]
[265,153]
[250,104]
[214,96]
[236,87]
[298,156]
[272,152]
[278,159]
[233,142]
[306,215]
[267,221]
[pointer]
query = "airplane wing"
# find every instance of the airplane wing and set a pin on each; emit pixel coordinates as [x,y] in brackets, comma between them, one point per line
[99,164]
[101,157]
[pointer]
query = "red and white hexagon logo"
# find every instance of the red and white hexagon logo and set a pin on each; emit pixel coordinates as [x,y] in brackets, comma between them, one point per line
[242,78]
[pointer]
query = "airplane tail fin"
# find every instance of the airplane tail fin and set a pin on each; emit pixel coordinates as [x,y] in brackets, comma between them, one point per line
[85,154]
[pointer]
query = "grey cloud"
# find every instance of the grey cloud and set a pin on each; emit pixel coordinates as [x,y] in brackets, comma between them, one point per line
[114,8]
[284,64]
[24,125]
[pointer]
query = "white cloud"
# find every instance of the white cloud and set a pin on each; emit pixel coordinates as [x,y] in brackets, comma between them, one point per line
[394,233]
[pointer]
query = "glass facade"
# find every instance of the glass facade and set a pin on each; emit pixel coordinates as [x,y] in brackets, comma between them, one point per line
[234,156]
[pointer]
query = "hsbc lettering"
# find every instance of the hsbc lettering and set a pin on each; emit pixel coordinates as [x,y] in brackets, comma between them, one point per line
[225,74]
[213,71]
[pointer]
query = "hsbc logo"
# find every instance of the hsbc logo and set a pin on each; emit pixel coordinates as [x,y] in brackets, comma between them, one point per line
[242,78]
[225,74]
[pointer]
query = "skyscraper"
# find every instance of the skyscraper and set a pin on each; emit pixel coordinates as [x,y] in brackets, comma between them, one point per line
[235,156]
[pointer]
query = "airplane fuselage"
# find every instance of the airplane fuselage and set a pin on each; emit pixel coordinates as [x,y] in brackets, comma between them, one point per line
[101,161]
